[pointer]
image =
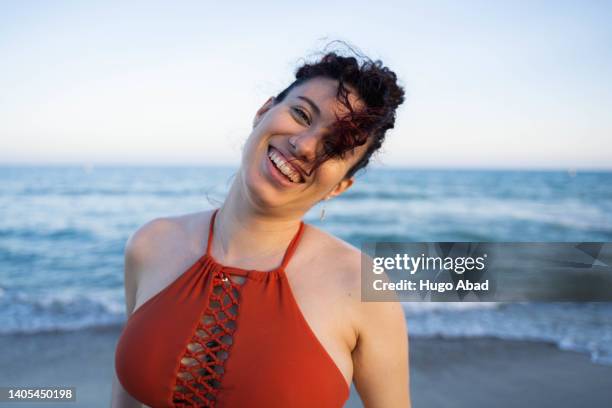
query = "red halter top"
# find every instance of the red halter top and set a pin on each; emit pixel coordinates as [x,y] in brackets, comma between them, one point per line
[220,336]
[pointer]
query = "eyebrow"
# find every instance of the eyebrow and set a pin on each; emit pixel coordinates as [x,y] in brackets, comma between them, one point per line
[313,105]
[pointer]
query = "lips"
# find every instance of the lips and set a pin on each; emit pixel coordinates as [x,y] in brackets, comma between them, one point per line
[290,171]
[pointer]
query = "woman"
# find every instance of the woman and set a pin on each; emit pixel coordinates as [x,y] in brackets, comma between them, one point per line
[247,306]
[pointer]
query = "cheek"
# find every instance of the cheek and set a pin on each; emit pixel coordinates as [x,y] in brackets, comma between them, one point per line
[251,141]
[330,174]
[255,141]
[250,149]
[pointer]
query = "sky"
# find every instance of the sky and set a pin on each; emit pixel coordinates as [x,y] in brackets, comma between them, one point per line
[488,84]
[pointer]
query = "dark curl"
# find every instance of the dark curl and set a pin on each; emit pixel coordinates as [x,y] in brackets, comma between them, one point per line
[375,84]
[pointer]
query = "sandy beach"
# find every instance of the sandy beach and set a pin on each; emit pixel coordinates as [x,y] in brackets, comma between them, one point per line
[444,372]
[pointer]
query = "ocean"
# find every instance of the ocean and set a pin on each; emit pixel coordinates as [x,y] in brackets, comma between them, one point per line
[63,231]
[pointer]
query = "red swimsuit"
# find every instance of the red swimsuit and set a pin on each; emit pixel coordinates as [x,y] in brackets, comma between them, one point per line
[220,336]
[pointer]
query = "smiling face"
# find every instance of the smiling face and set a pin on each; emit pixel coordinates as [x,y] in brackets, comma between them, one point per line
[284,145]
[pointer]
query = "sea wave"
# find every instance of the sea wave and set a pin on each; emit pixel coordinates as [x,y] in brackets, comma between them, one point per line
[63,232]
[31,313]
[580,327]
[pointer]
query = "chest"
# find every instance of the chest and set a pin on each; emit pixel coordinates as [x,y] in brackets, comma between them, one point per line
[186,344]
[319,300]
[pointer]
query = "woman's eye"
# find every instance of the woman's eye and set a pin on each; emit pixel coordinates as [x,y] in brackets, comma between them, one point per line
[301,114]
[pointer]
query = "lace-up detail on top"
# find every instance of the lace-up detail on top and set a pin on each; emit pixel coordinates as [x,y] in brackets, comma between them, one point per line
[202,364]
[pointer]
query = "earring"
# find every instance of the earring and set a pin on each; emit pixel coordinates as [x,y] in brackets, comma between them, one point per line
[322,216]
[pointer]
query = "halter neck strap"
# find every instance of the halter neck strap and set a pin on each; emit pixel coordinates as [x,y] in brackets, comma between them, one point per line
[288,252]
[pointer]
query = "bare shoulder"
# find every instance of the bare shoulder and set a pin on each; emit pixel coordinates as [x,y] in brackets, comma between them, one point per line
[344,261]
[163,238]
[338,273]
[335,256]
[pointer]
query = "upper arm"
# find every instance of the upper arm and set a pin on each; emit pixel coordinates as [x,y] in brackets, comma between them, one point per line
[142,249]
[130,278]
[137,254]
[380,358]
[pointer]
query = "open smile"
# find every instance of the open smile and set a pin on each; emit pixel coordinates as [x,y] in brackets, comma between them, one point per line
[281,169]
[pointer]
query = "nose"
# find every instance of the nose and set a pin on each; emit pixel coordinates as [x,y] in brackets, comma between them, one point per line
[305,145]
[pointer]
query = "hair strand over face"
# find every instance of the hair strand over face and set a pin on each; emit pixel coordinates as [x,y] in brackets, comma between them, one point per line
[374,84]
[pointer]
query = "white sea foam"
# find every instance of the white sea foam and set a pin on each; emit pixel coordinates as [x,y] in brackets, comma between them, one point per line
[581,327]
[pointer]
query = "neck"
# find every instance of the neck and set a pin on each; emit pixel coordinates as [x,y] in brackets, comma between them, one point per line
[247,236]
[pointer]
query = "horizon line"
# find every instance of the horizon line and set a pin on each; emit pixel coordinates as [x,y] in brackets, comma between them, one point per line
[372,166]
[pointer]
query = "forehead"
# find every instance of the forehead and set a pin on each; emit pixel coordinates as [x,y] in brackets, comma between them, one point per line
[323,92]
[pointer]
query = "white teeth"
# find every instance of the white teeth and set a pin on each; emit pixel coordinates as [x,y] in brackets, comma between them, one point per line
[283,166]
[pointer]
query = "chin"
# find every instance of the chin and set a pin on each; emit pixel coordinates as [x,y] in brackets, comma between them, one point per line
[259,191]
